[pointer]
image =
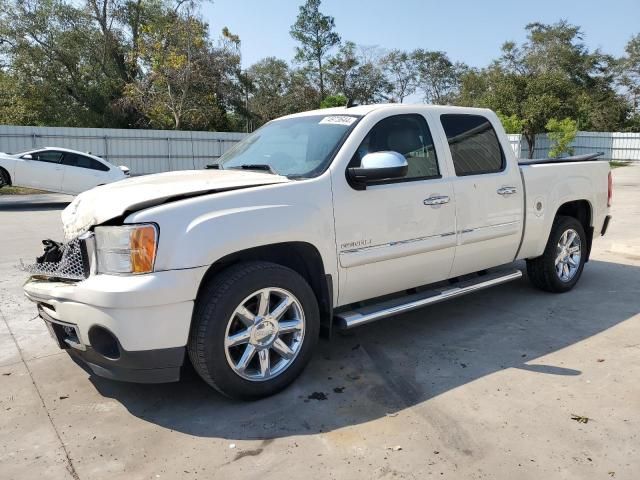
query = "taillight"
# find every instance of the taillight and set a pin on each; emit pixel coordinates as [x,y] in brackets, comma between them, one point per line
[610,190]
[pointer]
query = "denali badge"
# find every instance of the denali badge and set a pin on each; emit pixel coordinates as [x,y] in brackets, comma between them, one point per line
[355,244]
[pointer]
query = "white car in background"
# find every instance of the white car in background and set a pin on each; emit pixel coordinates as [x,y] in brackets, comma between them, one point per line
[58,170]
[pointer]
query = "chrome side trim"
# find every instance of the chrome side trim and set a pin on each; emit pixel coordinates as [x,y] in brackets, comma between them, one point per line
[486,227]
[364,315]
[394,242]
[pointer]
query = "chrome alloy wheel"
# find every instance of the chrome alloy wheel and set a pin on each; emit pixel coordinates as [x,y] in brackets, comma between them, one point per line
[568,254]
[264,334]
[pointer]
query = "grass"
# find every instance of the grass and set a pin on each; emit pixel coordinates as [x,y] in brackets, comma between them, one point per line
[618,163]
[18,191]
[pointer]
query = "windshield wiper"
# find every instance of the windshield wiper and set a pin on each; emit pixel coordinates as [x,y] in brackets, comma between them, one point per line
[256,166]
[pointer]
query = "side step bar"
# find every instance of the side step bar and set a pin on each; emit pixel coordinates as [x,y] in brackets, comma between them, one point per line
[371,313]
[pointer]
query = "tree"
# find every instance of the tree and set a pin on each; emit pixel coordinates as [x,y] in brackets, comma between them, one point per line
[357,75]
[400,68]
[54,51]
[184,80]
[551,75]
[561,133]
[334,101]
[271,82]
[341,67]
[438,77]
[511,123]
[629,78]
[316,34]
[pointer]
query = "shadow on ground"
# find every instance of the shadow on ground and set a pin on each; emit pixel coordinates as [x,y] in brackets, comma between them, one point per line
[401,362]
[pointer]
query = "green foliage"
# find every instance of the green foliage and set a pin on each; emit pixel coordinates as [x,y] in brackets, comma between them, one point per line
[402,72]
[511,123]
[357,75]
[561,133]
[316,34]
[551,75]
[154,64]
[185,86]
[629,79]
[438,77]
[333,101]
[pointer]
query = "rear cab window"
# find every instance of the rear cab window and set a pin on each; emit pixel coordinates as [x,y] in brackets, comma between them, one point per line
[475,148]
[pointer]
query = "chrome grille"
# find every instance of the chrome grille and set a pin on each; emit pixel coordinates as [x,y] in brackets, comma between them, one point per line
[74,264]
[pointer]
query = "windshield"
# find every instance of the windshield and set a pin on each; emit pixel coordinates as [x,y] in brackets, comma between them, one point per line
[297,147]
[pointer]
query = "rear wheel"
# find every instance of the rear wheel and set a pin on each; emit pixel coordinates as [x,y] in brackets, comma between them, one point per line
[559,268]
[255,327]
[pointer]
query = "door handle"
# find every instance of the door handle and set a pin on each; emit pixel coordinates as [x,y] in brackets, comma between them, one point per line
[436,200]
[506,191]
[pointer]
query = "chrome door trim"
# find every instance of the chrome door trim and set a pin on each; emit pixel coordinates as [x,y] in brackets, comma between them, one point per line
[437,200]
[396,249]
[506,191]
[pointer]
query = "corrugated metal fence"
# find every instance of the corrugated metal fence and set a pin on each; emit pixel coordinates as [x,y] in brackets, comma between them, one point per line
[615,146]
[143,151]
[151,151]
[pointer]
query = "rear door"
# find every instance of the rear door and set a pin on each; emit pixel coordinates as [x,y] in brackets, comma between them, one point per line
[83,173]
[489,198]
[42,171]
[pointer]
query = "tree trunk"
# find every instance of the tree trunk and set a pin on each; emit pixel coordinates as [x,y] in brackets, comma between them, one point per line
[321,78]
[531,142]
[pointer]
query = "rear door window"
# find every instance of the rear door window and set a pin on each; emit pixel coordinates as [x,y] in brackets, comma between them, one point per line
[75,160]
[474,144]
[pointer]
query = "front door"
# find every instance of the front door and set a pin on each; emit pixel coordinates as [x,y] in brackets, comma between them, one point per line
[42,171]
[395,234]
[489,198]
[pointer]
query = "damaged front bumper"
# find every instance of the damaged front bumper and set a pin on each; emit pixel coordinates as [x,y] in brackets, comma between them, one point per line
[130,328]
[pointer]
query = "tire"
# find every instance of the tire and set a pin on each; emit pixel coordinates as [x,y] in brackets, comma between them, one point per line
[217,326]
[5,179]
[543,271]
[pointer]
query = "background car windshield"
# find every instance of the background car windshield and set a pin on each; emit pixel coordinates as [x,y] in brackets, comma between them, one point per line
[300,146]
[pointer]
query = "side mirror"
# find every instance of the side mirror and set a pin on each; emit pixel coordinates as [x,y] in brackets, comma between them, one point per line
[378,166]
[27,157]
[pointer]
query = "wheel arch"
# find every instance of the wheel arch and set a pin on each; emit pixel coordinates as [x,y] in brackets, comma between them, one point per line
[582,211]
[302,257]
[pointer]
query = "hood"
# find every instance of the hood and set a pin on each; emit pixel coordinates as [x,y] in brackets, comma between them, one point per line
[106,202]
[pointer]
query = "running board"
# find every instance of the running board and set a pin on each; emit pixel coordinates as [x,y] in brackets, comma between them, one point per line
[371,313]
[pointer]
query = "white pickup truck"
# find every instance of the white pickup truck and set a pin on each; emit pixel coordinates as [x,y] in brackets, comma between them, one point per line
[320,220]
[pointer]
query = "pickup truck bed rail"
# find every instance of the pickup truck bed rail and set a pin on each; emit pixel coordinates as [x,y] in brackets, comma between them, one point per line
[588,157]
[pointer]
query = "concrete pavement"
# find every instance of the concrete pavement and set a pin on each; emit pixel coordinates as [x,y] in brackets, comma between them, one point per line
[480,387]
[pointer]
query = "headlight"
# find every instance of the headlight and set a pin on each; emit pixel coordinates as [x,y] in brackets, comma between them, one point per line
[126,249]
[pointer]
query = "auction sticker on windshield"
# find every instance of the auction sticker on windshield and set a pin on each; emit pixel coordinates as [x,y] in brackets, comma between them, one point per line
[338,120]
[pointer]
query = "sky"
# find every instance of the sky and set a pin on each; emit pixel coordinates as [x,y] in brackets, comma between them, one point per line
[469,31]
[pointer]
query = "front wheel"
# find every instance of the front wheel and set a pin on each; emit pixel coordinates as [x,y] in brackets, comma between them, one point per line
[255,327]
[4,178]
[559,268]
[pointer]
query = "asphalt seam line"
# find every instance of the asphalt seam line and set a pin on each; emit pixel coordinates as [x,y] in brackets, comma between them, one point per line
[70,468]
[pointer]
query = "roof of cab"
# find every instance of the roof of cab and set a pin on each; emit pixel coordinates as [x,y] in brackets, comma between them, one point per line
[364,109]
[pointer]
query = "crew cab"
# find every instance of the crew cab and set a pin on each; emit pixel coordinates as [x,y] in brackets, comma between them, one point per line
[58,170]
[320,220]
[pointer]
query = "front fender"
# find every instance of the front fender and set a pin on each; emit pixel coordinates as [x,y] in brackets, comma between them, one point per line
[198,231]
[9,164]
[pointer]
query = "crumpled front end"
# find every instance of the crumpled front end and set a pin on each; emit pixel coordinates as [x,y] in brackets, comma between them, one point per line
[63,261]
